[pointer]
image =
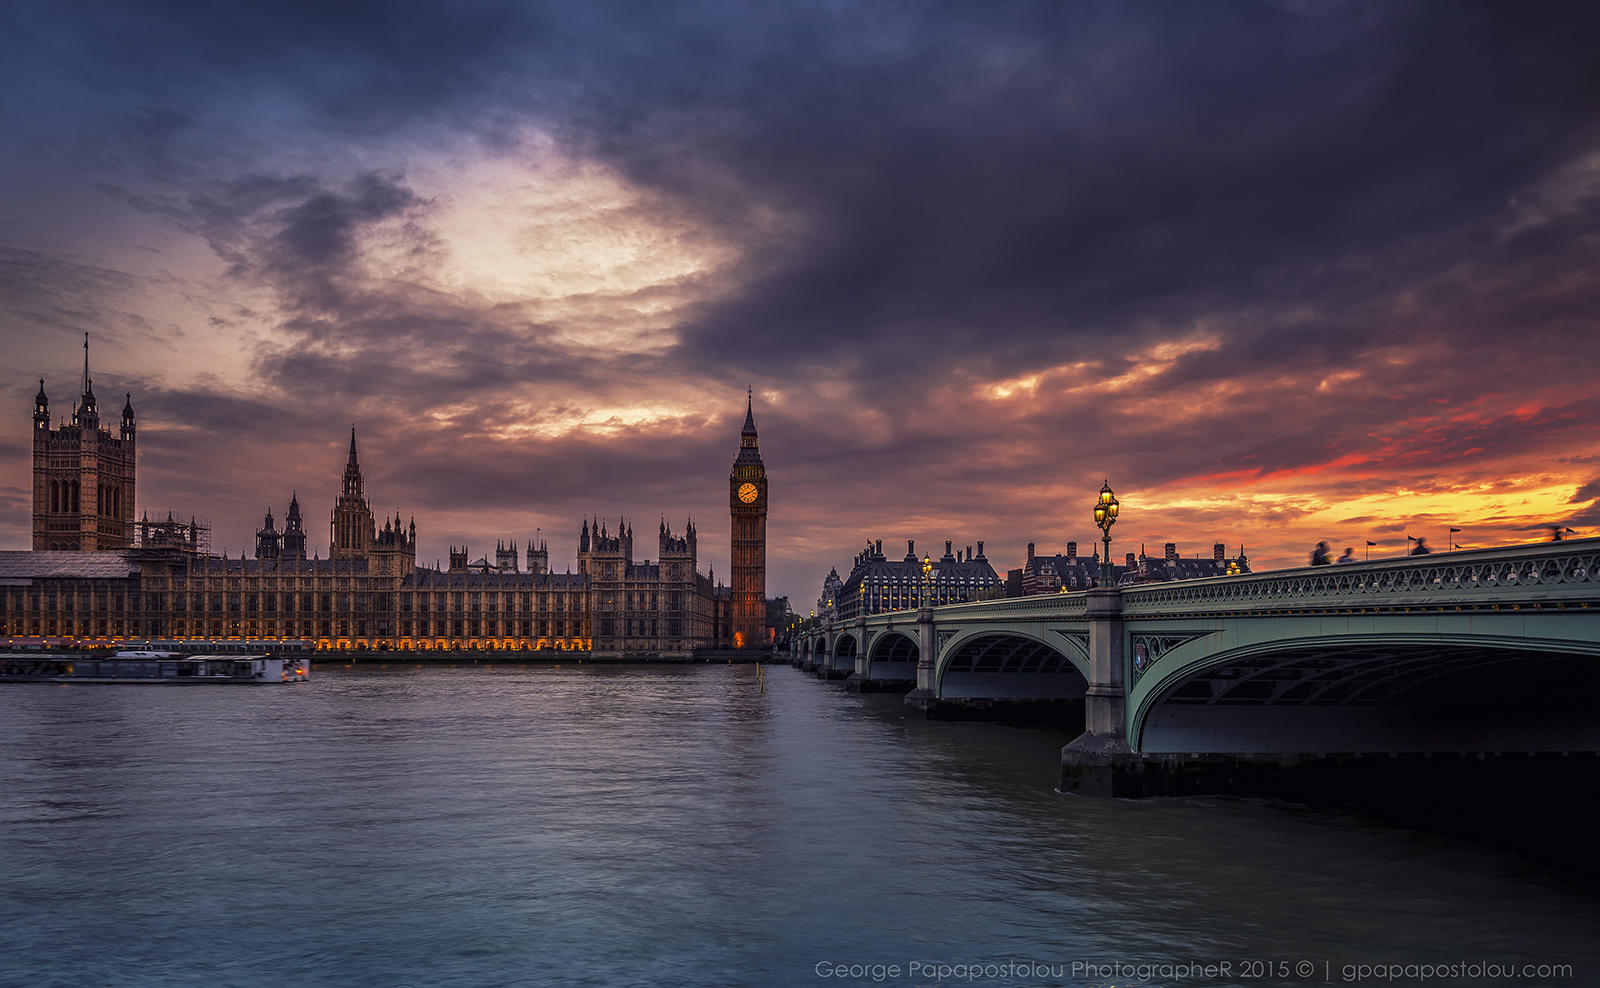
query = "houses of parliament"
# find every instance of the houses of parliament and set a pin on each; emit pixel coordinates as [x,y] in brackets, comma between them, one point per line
[98,576]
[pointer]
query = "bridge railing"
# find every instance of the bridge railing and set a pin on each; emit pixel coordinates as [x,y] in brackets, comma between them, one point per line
[1539,574]
[1556,573]
[1022,608]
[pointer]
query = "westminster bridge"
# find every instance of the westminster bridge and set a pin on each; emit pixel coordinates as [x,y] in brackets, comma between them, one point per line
[1186,685]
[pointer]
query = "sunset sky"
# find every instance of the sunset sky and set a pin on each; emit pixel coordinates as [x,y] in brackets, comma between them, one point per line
[1281,271]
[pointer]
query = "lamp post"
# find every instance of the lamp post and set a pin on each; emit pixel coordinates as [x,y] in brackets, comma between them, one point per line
[1105,515]
[927,581]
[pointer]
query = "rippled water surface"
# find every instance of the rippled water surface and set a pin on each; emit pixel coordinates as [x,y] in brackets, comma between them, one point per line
[674,826]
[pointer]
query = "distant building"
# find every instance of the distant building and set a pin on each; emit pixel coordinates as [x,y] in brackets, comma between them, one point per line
[1070,571]
[664,607]
[83,476]
[747,508]
[779,616]
[160,582]
[1171,566]
[832,590]
[1049,574]
[193,538]
[877,583]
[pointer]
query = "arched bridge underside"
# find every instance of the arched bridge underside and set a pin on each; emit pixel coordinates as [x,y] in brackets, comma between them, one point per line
[1469,651]
[843,660]
[1000,666]
[1382,693]
[893,658]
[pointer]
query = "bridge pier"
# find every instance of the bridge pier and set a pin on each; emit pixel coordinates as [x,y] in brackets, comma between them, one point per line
[853,672]
[1093,762]
[925,698]
[813,663]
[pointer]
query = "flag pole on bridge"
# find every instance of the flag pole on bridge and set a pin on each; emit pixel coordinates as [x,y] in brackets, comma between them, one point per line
[1452,540]
[1370,544]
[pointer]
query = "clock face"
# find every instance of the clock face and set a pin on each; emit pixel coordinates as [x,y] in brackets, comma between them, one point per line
[748,493]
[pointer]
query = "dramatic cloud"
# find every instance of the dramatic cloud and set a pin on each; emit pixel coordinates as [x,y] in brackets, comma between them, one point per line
[1281,272]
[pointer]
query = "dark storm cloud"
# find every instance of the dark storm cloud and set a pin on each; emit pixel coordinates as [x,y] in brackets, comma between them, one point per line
[1061,171]
[1379,219]
[1222,157]
[319,233]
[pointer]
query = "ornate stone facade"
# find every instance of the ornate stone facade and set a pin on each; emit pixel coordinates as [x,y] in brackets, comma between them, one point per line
[370,595]
[83,476]
[877,583]
[747,501]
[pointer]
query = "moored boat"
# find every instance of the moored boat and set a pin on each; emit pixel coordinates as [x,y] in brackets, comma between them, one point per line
[167,668]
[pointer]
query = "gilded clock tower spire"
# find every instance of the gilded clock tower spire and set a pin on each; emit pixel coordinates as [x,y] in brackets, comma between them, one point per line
[747,500]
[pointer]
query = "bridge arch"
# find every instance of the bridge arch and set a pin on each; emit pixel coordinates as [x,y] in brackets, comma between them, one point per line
[1374,691]
[1010,664]
[893,655]
[843,659]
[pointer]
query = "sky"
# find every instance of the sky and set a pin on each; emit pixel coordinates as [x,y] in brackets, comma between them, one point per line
[1281,271]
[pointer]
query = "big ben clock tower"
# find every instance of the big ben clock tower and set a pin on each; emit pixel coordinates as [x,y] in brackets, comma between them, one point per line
[747,502]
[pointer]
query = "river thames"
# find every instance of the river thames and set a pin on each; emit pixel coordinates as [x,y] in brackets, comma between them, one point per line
[677,825]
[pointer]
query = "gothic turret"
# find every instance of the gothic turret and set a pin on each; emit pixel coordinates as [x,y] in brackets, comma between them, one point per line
[83,476]
[352,528]
[538,555]
[294,533]
[505,557]
[87,416]
[269,541]
[352,468]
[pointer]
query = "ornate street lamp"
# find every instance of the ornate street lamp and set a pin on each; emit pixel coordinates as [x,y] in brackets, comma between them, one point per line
[927,581]
[1105,515]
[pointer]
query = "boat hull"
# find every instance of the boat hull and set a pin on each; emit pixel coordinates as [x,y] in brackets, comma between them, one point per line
[157,669]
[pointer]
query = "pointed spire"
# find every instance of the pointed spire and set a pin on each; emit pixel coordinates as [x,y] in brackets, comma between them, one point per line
[87,383]
[749,411]
[352,470]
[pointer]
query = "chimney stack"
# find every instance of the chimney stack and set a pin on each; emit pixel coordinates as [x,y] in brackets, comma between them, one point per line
[1072,550]
[1216,552]
[980,548]
[1030,551]
[969,553]
[1172,550]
